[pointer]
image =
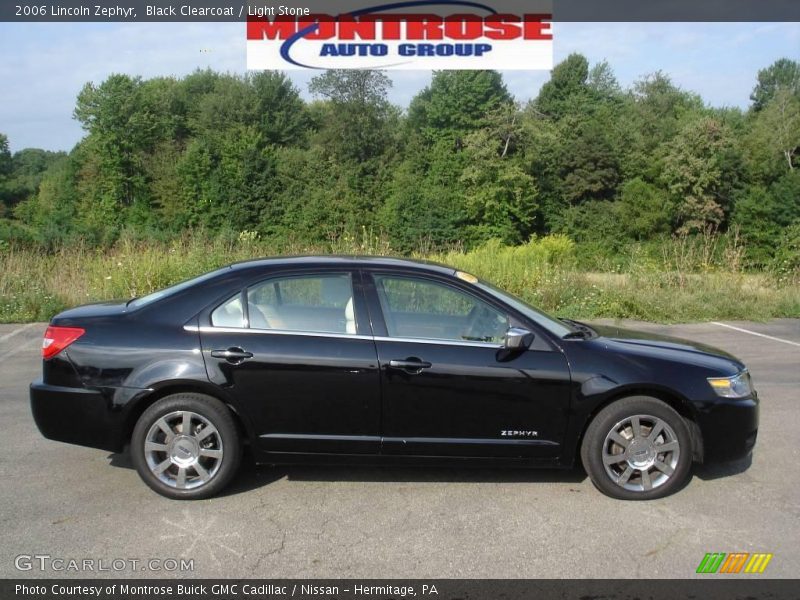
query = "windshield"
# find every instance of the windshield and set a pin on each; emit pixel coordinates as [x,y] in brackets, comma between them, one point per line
[169,291]
[552,325]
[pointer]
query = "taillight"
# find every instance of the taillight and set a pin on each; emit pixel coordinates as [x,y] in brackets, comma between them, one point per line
[58,338]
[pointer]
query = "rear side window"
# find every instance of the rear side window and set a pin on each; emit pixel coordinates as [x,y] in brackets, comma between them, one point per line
[166,292]
[229,314]
[310,303]
[313,303]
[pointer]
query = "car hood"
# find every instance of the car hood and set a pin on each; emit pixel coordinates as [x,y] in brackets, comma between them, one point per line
[666,346]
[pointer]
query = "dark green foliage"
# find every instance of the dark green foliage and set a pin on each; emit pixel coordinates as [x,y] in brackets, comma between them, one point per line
[701,174]
[241,157]
[643,210]
[356,117]
[566,89]
[762,215]
[786,259]
[49,214]
[590,165]
[425,204]
[457,102]
[282,116]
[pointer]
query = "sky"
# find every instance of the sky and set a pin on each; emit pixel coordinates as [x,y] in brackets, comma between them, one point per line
[44,65]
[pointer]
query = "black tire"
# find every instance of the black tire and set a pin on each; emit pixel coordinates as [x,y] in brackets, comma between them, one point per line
[622,467]
[209,455]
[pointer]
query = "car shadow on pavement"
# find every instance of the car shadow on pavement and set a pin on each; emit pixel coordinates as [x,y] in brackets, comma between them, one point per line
[121,460]
[251,476]
[708,472]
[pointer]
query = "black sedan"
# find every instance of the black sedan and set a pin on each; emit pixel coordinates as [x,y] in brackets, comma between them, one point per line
[358,360]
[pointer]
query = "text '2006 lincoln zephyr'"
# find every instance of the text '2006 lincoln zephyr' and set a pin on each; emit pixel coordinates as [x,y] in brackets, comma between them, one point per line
[360,360]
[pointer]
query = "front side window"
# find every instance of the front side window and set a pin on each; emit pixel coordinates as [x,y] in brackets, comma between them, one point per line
[311,303]
[424,309]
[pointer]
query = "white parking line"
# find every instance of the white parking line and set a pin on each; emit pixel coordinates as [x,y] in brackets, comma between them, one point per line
[763,335]
[8,336]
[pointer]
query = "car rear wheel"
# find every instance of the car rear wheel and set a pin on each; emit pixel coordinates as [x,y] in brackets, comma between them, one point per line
[186,446]
[638,448]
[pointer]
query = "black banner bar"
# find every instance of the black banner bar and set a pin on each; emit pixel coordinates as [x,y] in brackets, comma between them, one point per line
[713,588]
[237,10]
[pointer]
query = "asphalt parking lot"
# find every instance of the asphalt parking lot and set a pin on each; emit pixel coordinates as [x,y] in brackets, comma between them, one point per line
[71,502]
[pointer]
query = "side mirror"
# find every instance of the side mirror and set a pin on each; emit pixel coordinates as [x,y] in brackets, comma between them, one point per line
[517,339]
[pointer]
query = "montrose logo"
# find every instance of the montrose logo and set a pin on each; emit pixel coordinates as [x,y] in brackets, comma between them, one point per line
[420,34]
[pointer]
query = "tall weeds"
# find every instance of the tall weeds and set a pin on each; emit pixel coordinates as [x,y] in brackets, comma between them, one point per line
[687,279]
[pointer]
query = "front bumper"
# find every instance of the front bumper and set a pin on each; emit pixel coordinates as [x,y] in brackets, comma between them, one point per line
[729,428]
[76,416]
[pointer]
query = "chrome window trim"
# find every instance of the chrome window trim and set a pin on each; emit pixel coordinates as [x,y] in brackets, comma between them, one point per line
[211,329]
[346,336]
[438,342]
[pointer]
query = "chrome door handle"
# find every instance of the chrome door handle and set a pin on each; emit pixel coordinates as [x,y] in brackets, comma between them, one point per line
[232,355]
[410,365]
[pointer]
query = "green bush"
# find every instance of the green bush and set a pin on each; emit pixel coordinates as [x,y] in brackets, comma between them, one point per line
[786,262]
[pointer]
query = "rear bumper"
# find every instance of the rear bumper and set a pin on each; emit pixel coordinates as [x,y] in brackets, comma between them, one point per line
[729,429]
[76,416]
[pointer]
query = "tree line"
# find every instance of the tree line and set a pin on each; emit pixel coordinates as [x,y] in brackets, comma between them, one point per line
[464,164]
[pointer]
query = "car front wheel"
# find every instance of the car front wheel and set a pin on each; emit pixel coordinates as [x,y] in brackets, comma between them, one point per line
[637,448]
[186,446]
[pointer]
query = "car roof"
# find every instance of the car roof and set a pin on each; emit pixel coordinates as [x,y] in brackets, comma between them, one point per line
[345,261]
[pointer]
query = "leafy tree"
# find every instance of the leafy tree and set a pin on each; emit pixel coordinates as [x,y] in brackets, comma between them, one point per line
[543,141]
[51,213]
[566,88]
[357,114]
[164,184]
[25,173]
[110,113]
[753,217]
[229,153]
[602,82]
[282,115]
[5,169]
[426,207]
[230,104]
[457,102]
[5,156]
[783,74]
[644,211]
[500,196]
[776,130]
[786,262]
[589,166]
[761,215]
[696,173]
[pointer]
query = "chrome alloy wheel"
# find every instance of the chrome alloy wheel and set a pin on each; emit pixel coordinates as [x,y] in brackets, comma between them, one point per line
[641,453]
[183,449]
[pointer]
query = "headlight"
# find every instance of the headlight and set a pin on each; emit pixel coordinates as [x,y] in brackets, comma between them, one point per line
[738,386]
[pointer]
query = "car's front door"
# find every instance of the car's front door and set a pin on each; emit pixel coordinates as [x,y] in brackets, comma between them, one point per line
[448,387]
[297,352]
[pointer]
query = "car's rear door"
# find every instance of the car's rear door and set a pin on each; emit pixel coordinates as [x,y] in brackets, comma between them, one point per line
[448,387]
[296,351]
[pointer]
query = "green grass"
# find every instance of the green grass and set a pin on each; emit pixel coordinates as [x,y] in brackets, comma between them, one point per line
[684,283]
